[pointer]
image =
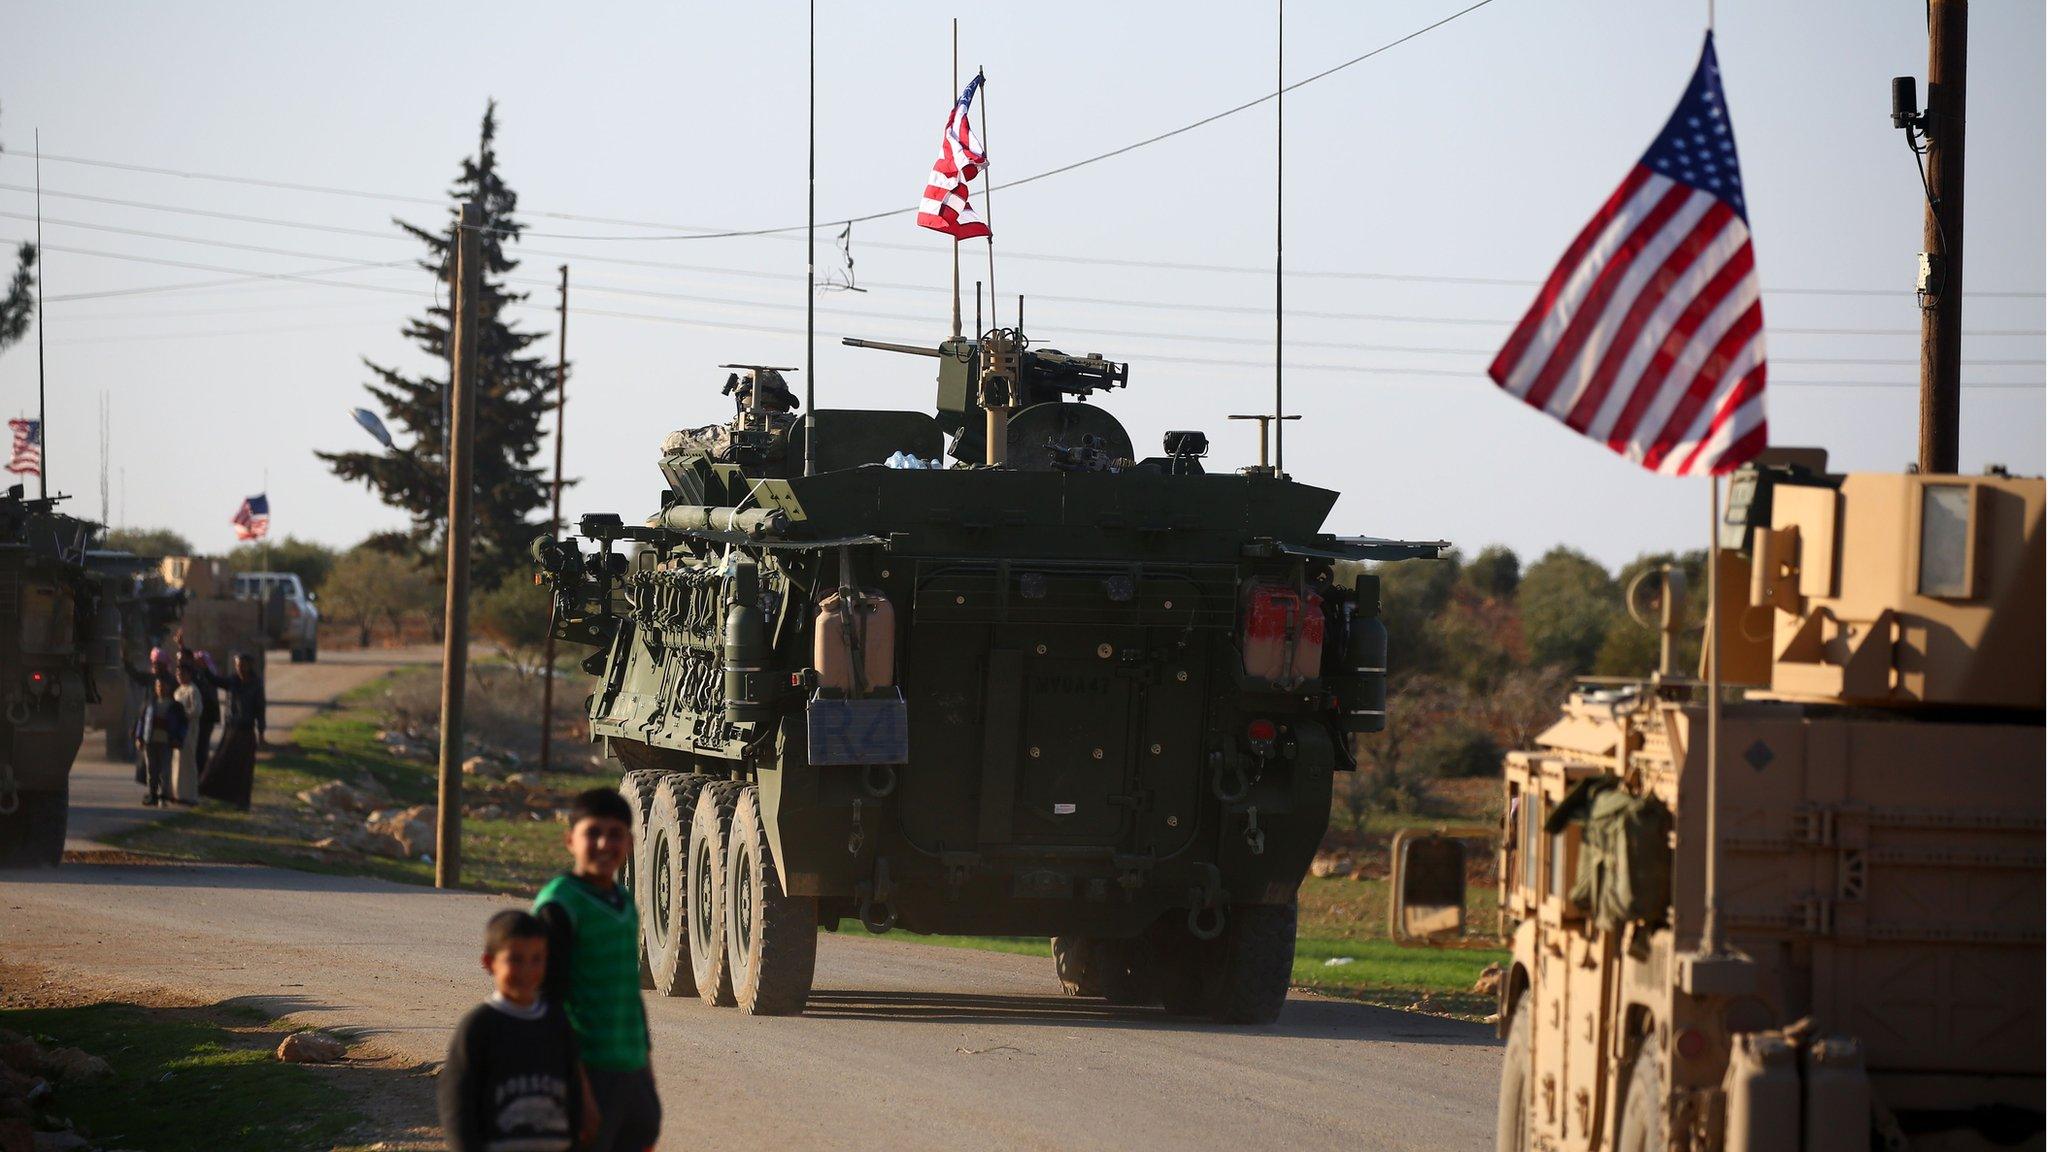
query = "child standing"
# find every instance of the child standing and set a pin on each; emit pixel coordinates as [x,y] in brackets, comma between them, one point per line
[512,1079]
[594,971]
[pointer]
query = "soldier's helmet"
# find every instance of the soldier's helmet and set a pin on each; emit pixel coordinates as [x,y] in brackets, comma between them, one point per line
[775,393]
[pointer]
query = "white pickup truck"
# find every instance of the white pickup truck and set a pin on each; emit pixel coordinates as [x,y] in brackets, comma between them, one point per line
[290,617]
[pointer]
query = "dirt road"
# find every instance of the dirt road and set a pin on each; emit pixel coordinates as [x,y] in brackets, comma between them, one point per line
[105,799]
[906,1045]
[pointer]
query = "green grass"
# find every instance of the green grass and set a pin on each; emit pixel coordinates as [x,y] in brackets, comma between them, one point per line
[513,855]
[186,1082]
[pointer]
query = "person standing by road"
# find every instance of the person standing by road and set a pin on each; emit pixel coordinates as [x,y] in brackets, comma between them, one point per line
[159,731]
[594,971]
[209,706]
[231,775]
[185,762]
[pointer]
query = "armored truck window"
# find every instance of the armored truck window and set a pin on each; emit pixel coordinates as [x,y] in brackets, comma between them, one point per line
[1945,540]
[45,622]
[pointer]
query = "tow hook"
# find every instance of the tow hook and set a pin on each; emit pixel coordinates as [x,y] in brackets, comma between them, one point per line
[877,911]
[1205,923]
[1228,782]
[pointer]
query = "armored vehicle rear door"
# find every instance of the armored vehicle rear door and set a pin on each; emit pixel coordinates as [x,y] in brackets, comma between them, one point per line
[1058,704]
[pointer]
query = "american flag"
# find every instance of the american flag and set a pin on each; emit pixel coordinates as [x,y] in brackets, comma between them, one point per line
[945,207]
[1649,334]
[252,519]
[26,458]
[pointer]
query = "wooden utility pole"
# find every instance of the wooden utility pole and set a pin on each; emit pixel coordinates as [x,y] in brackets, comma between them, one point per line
[455,636]
[1941,302]
[547,684]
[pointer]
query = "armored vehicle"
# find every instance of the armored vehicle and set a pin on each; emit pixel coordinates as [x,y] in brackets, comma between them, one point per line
[1880,819]
[49,618]
[1052,690]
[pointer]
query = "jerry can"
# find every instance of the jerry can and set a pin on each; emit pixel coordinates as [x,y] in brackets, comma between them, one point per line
[855,643]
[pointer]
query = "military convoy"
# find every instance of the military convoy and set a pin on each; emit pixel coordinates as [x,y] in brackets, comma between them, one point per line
[1874,979]
[1054,689]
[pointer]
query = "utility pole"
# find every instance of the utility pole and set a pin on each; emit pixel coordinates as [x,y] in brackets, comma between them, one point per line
[547,684]
[1941,300]
[455,639]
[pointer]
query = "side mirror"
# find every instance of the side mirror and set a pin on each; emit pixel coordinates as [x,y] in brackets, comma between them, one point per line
[1426,895]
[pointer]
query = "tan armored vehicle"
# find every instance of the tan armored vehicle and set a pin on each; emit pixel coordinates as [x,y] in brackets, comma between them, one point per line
[1878,976]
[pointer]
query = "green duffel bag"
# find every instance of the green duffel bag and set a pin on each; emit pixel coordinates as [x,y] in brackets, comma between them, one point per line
[1624,873]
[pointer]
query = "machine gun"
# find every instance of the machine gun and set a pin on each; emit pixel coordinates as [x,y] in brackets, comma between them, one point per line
[1001,375]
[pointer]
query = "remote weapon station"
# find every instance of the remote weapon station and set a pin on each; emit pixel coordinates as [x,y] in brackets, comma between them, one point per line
[1051,690]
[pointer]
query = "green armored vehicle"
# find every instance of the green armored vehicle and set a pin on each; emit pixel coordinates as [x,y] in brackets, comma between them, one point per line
[49,617]
[1050,690]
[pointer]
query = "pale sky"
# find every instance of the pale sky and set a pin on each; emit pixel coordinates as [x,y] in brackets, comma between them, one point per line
[1475,151]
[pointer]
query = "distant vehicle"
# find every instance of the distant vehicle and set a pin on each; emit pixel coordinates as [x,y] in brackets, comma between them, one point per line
[291,618]
[1880,823]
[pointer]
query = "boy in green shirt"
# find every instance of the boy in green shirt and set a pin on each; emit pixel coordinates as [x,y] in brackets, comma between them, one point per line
[594,971]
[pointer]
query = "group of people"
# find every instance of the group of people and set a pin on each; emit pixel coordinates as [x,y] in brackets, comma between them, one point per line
[556,1060]
[189,698]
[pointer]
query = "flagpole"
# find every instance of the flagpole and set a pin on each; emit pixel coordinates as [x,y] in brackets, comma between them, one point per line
[811,258]
[954,92]
[42,394]
[1711,931]
[988,192]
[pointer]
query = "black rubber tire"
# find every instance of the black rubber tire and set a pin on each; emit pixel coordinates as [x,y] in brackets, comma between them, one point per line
[1516,1106]
[1094,966]
[32,836]
[663,926]
[1257,964]
[704,902]
[1642,1109]
[771,937]
[638,790]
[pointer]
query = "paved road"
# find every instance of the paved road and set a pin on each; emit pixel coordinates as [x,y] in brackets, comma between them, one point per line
[105,800]
[906,1045]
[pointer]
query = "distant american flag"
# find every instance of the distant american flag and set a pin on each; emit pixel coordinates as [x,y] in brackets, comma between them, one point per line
[945,207]
[1649,335]
[252,519]
[26,457]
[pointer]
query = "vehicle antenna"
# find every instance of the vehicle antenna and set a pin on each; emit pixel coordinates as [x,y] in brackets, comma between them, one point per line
[42,400]
[811,260]
[988,188]
[977,309]
[1279,226]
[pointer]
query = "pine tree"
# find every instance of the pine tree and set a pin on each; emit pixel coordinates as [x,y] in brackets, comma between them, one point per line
[18,306]
[516,392]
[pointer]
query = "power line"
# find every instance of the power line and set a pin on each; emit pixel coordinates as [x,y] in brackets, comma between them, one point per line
[1047,257]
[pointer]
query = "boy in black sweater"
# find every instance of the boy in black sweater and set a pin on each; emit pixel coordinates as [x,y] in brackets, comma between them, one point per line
[513,1082]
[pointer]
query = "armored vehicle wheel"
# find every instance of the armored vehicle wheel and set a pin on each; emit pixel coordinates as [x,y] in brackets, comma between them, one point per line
[1092,966]
[32,836]
[638,789]
[1642,1110]
[1517,1087]
[771,938]
[704,902]
[1258,963]
[664,923]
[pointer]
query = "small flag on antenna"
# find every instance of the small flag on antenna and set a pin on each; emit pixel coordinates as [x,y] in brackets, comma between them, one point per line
[252,519]
[1649,335]
[945,207]
[26,457]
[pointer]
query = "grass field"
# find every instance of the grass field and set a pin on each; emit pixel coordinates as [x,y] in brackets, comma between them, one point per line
[194,1079]
[515,855]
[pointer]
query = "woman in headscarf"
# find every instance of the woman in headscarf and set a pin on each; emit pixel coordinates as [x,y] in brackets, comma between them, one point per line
[231,775]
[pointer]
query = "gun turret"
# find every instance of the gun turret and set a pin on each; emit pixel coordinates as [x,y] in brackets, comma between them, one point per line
[1021,378]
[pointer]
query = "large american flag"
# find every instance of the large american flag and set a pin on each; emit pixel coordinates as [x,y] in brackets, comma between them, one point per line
[945,207]
[1649,335]
[26,457]
[252,519]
